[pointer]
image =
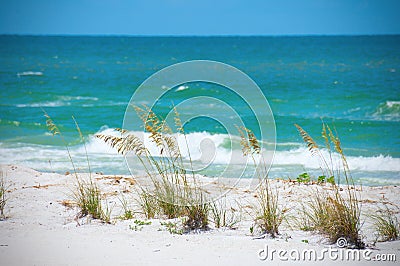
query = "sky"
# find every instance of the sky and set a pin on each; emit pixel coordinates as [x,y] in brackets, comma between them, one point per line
[200,17]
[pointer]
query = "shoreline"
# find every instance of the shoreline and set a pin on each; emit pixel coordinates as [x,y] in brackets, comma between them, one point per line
[41,227]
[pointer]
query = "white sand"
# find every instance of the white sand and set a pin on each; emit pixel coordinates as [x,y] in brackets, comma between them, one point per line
[40,230]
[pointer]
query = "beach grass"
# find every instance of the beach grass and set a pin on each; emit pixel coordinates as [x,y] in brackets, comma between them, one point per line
[333,216]
[147,203]
[3,195]
[224,216]
[88,198]
[174,190]
[197,213]
[269,215]
[333,212]
[386,225]
[86,193]
[127,211]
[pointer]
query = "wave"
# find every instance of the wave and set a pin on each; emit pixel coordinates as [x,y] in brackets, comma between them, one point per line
[384,111]
[301,156]
[85,101]
[198,144]
[49,159]
[389,111]
[205,148]
[30,73]
[10,122]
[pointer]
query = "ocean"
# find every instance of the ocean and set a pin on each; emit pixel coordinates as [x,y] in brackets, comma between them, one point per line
[350,82]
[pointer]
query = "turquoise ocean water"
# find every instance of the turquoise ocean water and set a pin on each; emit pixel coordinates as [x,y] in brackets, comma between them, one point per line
[351,82]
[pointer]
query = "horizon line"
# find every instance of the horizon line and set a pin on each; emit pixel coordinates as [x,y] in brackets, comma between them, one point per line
[198,35]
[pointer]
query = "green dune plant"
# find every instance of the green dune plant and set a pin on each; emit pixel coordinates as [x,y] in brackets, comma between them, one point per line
[174,190]
[269,215]
[305,178]
[334,213]
[86,193]
[173,227]
[138,225]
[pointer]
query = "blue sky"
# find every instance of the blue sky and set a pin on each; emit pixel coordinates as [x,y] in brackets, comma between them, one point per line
[200,17]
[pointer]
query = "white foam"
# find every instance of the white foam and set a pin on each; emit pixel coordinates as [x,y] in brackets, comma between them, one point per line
[97,146]
[45,104]
[30,73]
[85,98]
[182,88]
[204,148]
[196,142]
[389,111]
[376,163]
[16,123]
[69,100]
[390,104]
[302,156]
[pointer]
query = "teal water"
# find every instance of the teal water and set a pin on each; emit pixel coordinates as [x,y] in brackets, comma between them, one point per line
[351,82]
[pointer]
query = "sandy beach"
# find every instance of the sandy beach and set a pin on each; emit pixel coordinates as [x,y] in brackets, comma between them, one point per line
[41,227]
[199,133]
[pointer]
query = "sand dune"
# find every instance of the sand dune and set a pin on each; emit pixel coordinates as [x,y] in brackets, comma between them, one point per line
[41,228]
